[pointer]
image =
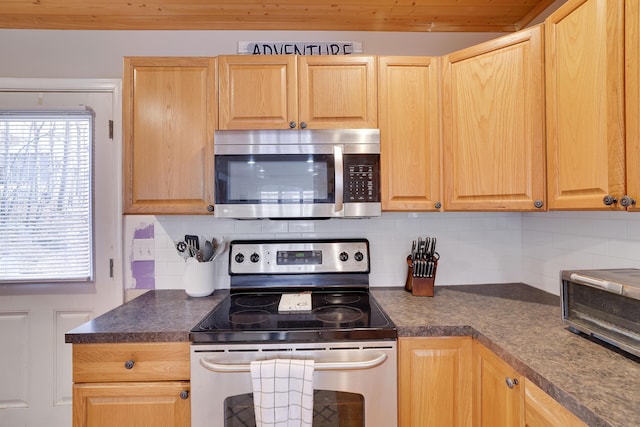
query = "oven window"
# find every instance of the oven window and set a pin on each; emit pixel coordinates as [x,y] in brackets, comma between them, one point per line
[330,409]
[274,179]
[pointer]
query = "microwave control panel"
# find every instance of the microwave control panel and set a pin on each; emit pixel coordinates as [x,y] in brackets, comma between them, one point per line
[362,178]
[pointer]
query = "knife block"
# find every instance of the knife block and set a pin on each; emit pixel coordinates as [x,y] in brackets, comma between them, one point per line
[420,286]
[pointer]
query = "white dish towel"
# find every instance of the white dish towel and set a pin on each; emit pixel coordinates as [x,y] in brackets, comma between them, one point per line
[283,392]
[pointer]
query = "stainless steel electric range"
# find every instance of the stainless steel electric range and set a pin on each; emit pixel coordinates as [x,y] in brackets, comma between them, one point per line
[306,299]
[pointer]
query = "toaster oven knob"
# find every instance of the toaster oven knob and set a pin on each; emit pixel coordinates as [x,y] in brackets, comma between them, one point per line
[343,256]
[239,258]
[358,256]
[254,257]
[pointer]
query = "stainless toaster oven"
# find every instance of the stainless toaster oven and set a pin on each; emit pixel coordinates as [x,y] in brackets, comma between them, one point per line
[604,304]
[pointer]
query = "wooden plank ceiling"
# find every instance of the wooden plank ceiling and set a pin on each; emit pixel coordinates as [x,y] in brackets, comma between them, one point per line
[330,15]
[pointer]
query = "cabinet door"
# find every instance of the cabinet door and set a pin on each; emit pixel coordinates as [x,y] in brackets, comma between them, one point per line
[542,411]
[495,403]
[159,404]
[169,117]
[585,111]
[632,92]
[337,92]
[258,92]
[409,117]
[493,125]
[434,382]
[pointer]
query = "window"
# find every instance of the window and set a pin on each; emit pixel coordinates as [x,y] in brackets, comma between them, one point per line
[46,180]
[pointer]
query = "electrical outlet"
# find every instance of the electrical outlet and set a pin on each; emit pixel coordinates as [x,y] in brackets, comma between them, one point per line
[144,250]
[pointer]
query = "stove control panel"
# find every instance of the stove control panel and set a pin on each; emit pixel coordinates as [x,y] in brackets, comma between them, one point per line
[297,256]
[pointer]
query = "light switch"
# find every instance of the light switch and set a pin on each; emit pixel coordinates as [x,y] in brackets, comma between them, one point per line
[144,250]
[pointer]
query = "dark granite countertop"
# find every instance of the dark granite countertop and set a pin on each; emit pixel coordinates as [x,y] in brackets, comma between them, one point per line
[519,323]
[155,316]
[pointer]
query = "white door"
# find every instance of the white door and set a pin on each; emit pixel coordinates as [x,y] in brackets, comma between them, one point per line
[35,362]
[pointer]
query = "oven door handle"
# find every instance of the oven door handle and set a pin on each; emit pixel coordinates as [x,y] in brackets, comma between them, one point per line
[319,366]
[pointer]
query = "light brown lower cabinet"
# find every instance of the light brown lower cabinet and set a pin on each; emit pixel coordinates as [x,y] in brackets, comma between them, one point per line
[498,391]
[131,385]
[541,410]
[456,381]
[434,385]
[157,404]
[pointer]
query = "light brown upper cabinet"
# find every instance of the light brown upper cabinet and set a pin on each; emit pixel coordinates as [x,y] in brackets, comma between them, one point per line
[409,116]
[585,104]
[298,92]
[168,122]
[632,92]
[493,125]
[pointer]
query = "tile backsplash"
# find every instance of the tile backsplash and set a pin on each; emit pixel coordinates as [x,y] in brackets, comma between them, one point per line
[475,247]
[556,241]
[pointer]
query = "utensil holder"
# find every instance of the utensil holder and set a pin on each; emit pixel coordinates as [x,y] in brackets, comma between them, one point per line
[199,278]
[420,286]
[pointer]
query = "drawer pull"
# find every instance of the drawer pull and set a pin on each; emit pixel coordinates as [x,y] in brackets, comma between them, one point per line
[184,394]
[129,364]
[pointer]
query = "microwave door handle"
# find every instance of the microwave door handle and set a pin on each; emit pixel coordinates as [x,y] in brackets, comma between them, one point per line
[339,178]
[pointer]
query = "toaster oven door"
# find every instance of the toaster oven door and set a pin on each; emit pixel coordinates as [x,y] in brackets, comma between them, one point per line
[608,316]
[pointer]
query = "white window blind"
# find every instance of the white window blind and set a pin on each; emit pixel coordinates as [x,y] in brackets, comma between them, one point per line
[46,185]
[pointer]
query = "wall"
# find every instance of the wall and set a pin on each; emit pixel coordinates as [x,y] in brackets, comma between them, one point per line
[98,54]
[555,241]
[474,247]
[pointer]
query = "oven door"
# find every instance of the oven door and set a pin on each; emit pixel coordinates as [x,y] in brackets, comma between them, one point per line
[354,382]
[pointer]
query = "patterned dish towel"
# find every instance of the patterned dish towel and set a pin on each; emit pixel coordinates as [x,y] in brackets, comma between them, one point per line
[283,392]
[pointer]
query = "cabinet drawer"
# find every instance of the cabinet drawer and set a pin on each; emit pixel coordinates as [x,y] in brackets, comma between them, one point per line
[130,362]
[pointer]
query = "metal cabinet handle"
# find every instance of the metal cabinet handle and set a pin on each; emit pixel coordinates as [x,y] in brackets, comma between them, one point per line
[437,205]
[609,200]
[184,394]
[292,124]
[538,204]
[511,382]
[210,208]
[303,125]
[129,364]
[319,366]
[627,201]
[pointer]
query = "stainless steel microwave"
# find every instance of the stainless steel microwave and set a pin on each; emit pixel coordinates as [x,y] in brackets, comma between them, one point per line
[604,304]
[297,173]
